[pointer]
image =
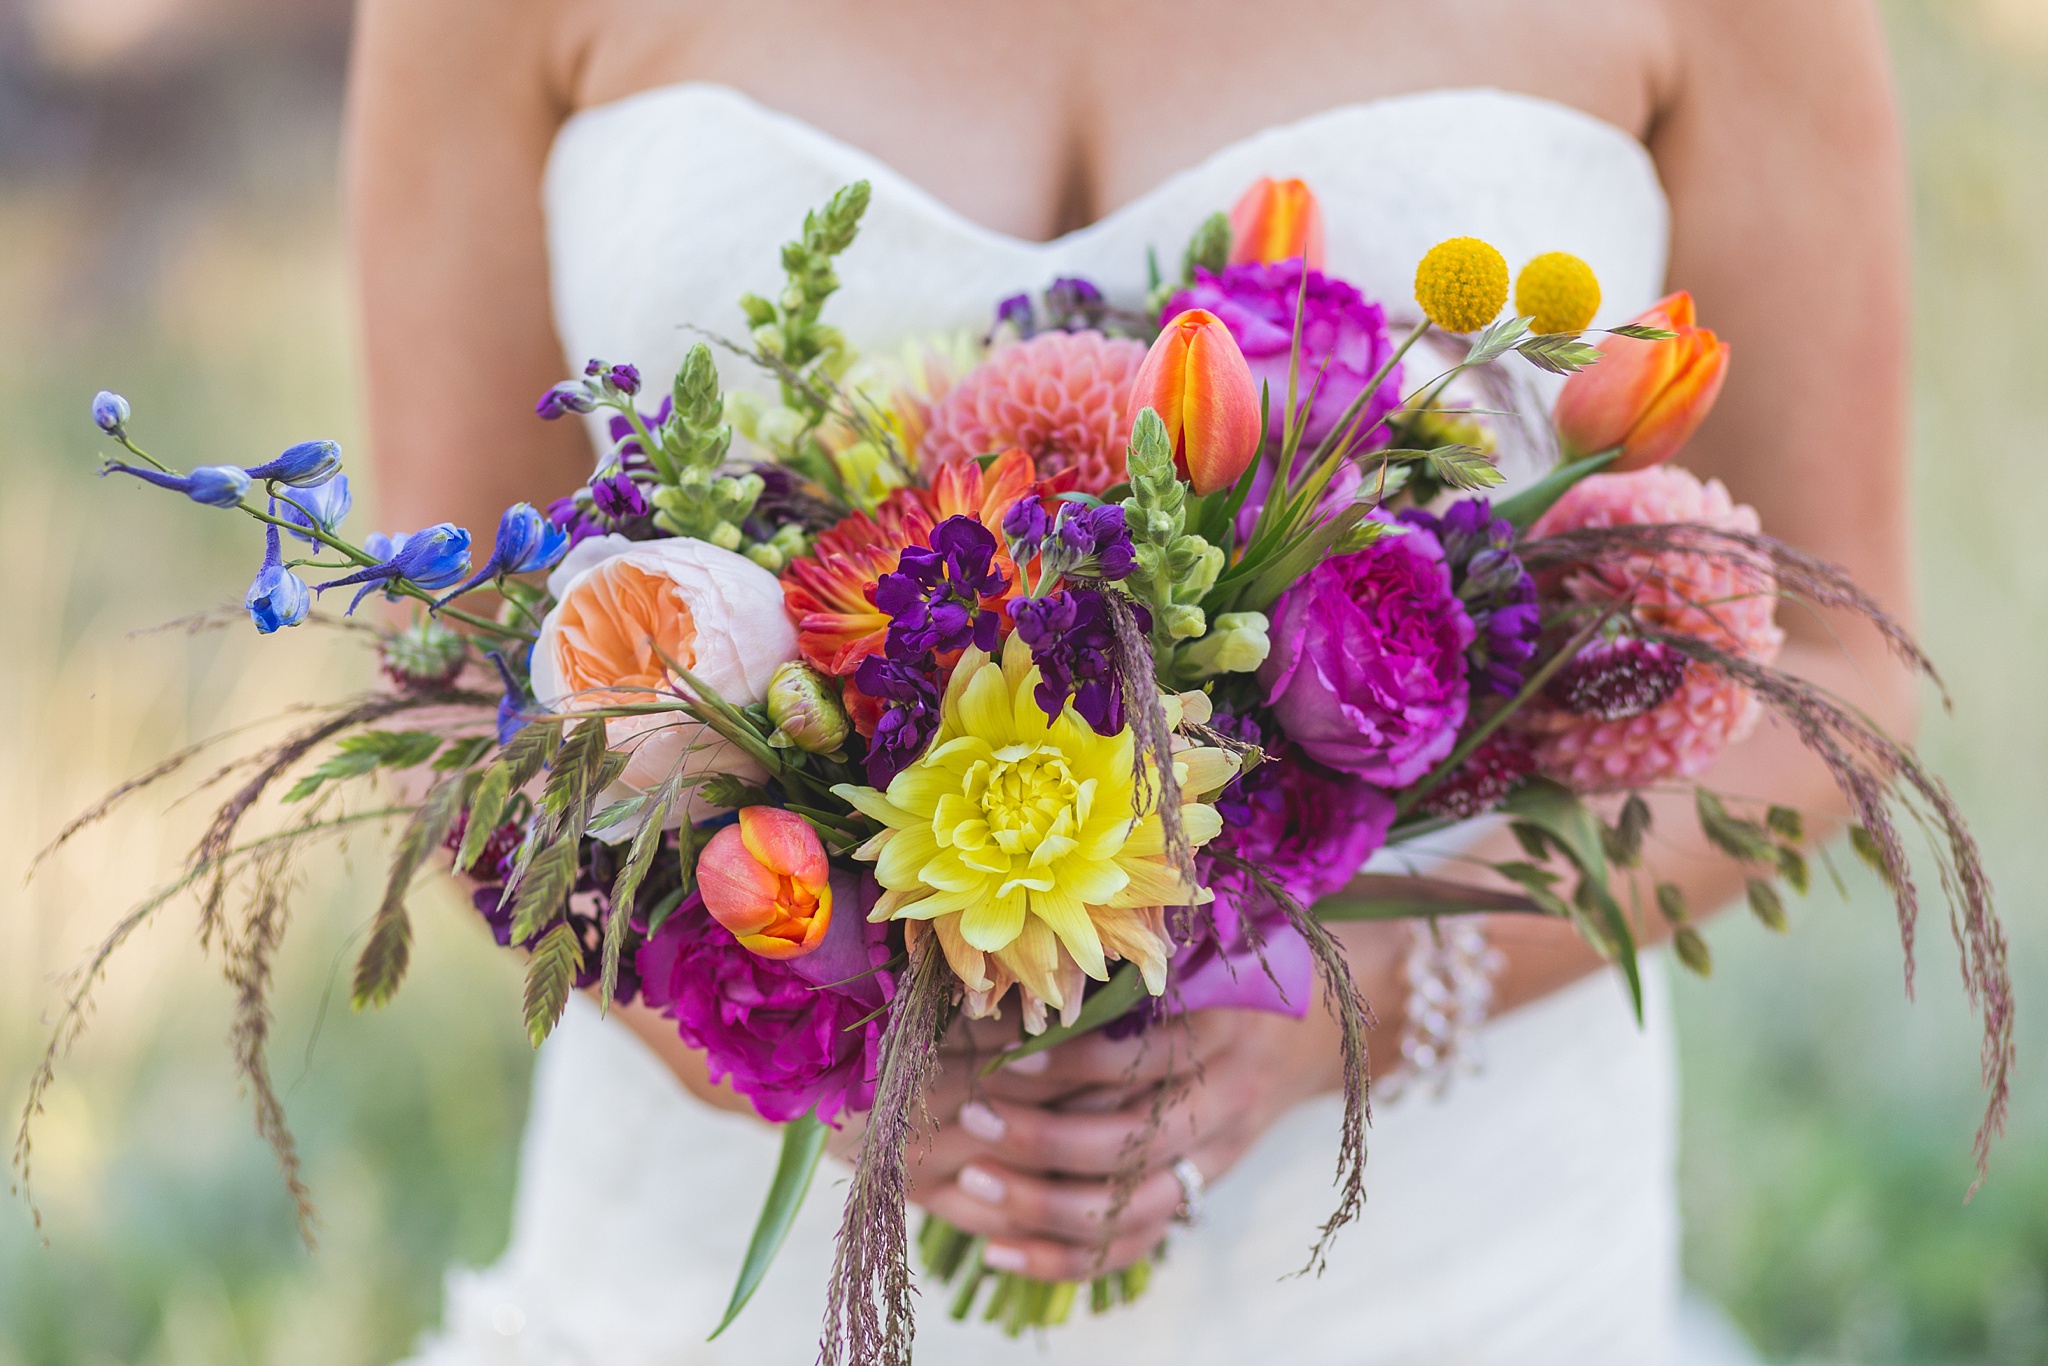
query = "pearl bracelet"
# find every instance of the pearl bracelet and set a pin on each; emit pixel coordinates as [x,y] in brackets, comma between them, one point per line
[1450,971]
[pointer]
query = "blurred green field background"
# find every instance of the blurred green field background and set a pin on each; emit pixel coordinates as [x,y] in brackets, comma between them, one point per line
[168,227]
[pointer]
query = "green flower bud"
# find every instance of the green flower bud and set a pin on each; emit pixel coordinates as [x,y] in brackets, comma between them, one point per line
[1183,622]
[725,536]
[1236,644]
[769,338]
[806,710]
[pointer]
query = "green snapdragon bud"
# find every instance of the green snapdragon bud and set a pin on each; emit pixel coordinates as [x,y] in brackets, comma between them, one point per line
[1237,643]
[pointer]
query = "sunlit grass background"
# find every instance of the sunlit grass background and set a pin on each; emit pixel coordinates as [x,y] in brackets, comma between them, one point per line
[168,227]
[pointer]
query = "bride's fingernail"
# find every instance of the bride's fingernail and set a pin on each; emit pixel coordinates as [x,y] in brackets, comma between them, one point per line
[984,1186]
[984,1123]
[1004,1258]
[1030,1064]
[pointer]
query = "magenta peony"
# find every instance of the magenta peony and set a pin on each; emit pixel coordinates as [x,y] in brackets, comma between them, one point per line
[1060,397]
[1685,593]
[783,1030]
[1367,672]
[1343,336]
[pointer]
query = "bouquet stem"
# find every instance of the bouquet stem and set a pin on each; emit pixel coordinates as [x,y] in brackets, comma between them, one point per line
[1017,1302]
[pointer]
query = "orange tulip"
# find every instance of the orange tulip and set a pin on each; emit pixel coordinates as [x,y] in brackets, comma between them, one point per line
[1647,397]
[1276,220]
[767,881]
[1197,380]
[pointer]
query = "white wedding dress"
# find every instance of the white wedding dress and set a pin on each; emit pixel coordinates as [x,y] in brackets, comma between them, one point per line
[1526,1218]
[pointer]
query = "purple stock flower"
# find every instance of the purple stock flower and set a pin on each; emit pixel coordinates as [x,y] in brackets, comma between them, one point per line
[1096,537]
[1073,304]
[1025,526]
[934,597]
[1497,592]
[1367,672]
[909,697]
[626,379]
[1016,312]
[1343,336]
[618,496]
[563,399]
[795,1036]
[1073,643]
[578,518]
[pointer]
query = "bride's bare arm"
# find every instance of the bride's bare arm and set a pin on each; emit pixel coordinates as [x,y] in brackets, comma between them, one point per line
[451,112]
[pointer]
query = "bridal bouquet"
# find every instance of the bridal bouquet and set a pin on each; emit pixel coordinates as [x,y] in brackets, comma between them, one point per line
[1066,676]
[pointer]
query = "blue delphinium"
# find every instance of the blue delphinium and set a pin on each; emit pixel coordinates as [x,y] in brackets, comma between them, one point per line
[434,558]
[934,597]
[306,465]
[109,412]
[324,506]
[527,541]
[277,598]
[215,486]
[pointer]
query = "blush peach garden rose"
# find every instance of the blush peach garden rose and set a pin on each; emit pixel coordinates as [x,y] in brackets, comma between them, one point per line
[716,613]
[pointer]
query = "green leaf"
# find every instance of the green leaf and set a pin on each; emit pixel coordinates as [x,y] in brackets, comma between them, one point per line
[549,878]
[1465,468]
[1499,338]
[1532,502]
[1534,842]
[465,753]
[1641,332]
[1786,823]
[1112,1002]
[1692,951]
[803,1143]
[1671,902]
[1624,841]
[550,974]
[1765,905]
[381,965]
[1537,882]
[1565,817]
[663,909]
[356,755]
[486,809]
[1742,840]
[1561,353]
[1613,932]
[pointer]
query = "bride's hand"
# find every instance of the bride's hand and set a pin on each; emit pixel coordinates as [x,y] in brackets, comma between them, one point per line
[1039,1156]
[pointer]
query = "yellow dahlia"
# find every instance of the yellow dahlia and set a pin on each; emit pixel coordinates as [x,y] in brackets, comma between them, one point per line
[1025,845]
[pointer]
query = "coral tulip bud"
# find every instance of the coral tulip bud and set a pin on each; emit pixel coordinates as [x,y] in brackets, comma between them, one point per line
[1197,380]
[805,710]
[1647,397]
[1277,220]
[766,880]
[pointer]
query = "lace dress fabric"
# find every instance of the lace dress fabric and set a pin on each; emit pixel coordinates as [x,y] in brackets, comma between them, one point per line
[1527,1217]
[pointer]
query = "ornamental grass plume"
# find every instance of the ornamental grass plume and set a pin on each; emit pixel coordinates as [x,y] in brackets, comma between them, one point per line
[1029,845]
[1058,396]
[1726,602]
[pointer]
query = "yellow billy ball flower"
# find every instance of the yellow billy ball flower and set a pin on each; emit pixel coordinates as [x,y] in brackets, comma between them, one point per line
[1462,284]
[1025,843]
[1557,292]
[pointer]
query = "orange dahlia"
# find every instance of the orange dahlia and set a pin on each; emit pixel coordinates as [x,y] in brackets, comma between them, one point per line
[830,593]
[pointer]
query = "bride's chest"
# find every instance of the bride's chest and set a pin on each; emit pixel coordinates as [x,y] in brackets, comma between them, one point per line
[1033,119]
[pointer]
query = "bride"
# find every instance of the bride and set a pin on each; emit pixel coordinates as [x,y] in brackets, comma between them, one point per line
[536,183]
